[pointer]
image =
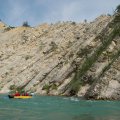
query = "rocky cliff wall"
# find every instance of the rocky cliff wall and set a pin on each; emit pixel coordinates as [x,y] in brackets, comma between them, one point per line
[65,58]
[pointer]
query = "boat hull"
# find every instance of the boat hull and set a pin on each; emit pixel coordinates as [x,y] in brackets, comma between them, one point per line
[19,97]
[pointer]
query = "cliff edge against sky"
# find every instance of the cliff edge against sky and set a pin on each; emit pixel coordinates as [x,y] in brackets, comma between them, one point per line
[65,58]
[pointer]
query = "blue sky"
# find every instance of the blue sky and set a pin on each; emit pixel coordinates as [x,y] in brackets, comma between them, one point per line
[14,12]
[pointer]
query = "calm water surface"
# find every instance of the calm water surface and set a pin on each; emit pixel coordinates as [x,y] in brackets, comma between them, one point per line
[57,108]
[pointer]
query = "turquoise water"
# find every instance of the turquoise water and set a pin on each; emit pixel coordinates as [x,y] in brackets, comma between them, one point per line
[57,108]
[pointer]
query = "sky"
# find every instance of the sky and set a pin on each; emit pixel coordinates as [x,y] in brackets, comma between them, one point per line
[15,12]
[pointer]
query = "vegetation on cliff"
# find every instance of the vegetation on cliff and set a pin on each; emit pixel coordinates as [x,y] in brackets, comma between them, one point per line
[106,38]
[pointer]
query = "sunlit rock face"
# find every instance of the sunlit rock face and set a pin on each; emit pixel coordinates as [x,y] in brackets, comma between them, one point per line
[45,59]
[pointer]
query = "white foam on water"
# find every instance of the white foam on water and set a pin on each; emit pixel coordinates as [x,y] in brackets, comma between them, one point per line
[74,99]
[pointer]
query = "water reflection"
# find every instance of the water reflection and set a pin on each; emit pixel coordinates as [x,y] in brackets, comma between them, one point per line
[91,117]
[84,117]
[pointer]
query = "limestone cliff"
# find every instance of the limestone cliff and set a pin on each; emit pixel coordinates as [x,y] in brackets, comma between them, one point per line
[65,58]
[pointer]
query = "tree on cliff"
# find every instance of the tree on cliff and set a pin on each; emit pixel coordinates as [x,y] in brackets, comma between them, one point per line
[25,24]
[118,9]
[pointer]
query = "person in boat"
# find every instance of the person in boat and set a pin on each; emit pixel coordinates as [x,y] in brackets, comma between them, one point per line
[25,94]
[17,93]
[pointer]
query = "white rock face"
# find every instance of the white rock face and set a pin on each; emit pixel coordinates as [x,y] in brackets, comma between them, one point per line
[44,59]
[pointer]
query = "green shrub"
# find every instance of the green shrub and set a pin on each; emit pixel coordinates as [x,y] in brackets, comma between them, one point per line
[84,52]
[25,24]
[27,57]
[118,9]
[12,87]
[46,87]
[7,29]
[73,23]
[54,87]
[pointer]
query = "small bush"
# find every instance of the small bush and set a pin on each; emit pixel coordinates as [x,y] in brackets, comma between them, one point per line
[85,20]
[73,23]
[84,52]
[46,87]
[25,24]
[118,9]
[27,57]
[12,87]
[109,14]
[54,87]
[7,29]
